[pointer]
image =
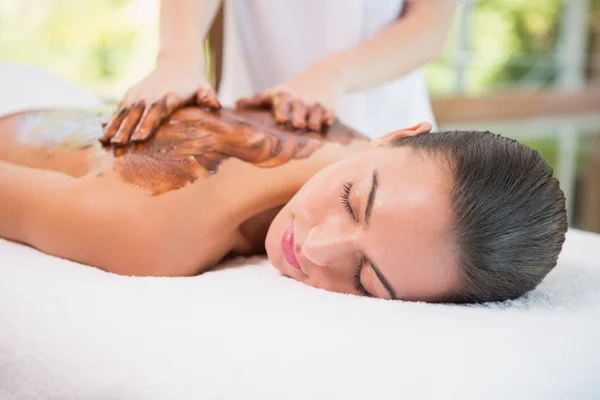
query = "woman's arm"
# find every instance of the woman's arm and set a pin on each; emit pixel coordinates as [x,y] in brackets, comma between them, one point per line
[74,219]
[183,26]
[413,40]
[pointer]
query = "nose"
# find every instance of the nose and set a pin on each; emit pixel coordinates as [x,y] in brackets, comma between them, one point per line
[328,242]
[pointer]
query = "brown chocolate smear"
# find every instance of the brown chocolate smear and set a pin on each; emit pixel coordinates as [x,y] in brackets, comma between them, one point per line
[196,141]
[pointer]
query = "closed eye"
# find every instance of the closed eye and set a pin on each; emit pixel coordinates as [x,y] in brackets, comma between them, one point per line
[345,197]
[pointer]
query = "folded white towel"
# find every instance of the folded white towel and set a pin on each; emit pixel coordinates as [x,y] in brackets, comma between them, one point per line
[244,332]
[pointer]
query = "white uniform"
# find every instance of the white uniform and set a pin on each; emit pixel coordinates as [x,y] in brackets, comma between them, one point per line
[268,42]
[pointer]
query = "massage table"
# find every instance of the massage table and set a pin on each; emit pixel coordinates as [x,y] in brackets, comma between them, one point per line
[243,331]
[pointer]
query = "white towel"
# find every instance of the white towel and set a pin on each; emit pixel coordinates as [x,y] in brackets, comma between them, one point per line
[244,332]
[26,87]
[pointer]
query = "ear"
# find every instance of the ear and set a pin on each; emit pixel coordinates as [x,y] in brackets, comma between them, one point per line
[418,129]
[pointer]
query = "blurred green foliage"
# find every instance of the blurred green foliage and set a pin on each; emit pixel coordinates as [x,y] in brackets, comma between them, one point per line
[530,35]
[512,42]
[98,44]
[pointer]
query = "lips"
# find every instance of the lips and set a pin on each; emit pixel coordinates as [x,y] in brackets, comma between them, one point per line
[287,247]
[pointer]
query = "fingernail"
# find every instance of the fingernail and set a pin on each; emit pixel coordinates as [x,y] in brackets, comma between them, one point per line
[116,141]
[170,100]
[150,134]
[138,136]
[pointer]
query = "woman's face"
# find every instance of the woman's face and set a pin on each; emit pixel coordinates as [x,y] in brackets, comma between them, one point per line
[374,224]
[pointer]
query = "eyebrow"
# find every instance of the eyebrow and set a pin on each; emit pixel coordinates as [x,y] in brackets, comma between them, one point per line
[368,209]
[384,281]
[371,198]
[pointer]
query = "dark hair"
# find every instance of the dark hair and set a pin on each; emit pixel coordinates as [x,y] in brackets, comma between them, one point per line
[509,212]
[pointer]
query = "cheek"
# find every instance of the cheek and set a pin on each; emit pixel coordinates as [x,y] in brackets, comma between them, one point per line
[332,280]
[317,194]
[305,209]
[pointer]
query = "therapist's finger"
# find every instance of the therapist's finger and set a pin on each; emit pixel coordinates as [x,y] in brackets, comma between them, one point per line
[208,98]
[172,102]
[262,100]
[128,125]
[154,115]
[149,122]
[315,118]
[112,126]
[282,103]
[328,117]
[299,112]
[123,103]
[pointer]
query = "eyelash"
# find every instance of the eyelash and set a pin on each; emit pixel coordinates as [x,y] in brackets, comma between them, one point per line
[358,286]
[345,199]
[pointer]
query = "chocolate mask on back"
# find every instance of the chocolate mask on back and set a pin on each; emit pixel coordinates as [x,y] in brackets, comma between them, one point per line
[196,140]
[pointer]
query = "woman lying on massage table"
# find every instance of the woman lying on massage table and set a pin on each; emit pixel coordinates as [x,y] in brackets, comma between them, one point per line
[449,216]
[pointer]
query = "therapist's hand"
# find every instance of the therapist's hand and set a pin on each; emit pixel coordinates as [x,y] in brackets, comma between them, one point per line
[147,104]
[307,101]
